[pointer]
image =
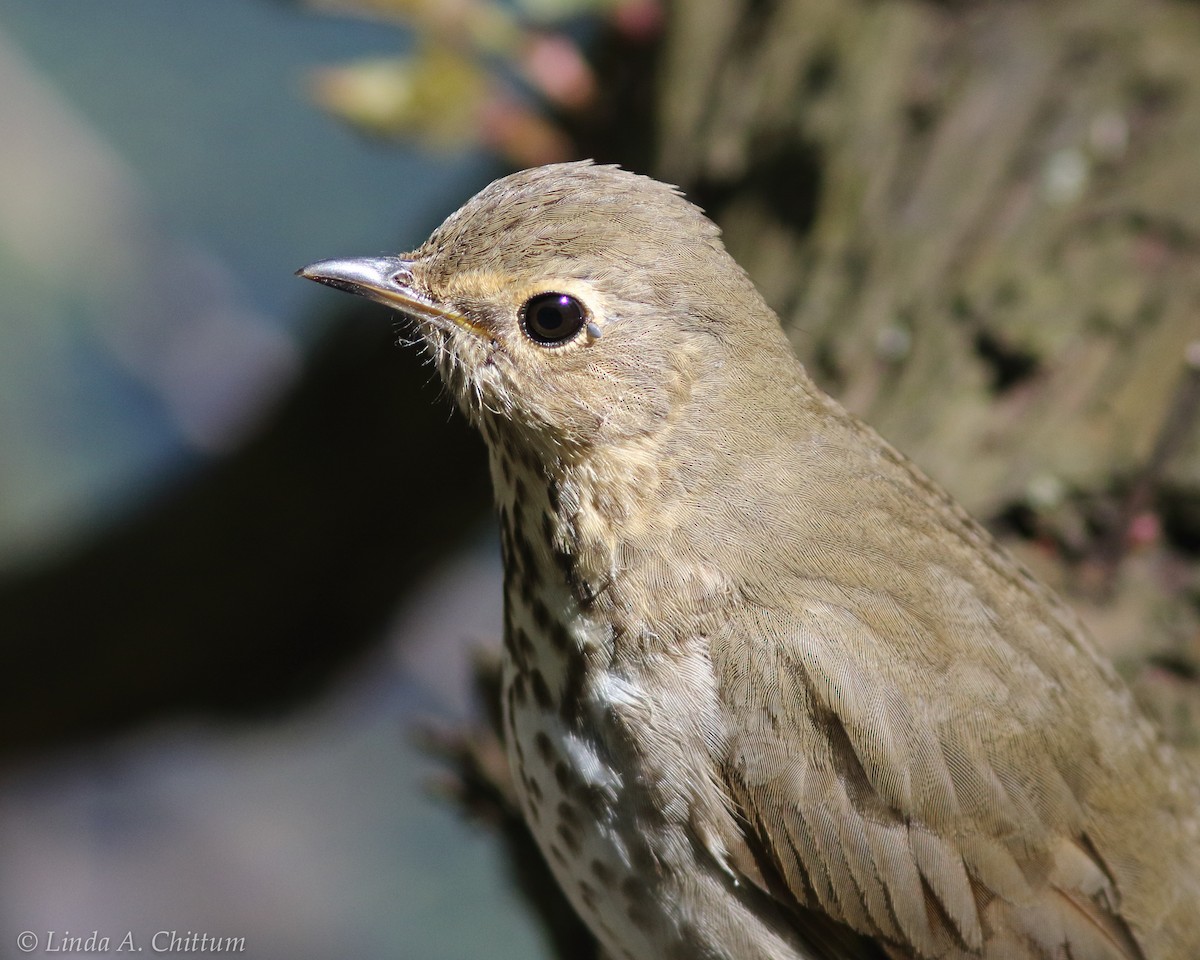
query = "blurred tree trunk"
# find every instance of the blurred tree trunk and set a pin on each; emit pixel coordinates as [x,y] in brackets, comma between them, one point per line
[980,223]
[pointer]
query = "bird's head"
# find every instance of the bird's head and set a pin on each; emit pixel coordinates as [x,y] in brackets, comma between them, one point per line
[571,304]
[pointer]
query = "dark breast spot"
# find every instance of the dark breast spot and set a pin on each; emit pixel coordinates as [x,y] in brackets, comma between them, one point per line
[602,873]
[520,690]
[643,864]
[568,815]
[569,837]
[593,799]
[573,688]
[541,691]
[524,552]
[560,639]
[634,889]
[521,647]
[638,915]
[541,614]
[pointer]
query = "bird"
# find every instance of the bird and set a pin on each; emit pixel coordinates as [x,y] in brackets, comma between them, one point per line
[768,692]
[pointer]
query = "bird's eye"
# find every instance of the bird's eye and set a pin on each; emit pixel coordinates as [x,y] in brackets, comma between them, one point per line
[552,318]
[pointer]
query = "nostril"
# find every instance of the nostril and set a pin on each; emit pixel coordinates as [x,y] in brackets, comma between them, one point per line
[400,270]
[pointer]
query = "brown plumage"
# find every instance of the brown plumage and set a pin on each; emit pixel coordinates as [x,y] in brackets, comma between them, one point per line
[769,692]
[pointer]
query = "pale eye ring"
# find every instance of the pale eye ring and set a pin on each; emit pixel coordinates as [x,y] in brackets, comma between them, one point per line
[551,319]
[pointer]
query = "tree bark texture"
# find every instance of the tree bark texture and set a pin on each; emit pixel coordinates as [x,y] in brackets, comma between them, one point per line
[980,223]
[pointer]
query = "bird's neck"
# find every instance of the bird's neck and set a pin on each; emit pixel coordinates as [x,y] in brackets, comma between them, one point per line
[570,518]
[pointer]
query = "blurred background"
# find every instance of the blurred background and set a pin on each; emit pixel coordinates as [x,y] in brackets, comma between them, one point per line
[215,642]
[245,548]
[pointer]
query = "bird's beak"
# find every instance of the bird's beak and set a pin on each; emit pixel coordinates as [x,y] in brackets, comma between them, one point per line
[387,280]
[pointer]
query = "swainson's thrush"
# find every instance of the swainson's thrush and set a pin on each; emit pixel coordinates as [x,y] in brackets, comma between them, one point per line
[769,693]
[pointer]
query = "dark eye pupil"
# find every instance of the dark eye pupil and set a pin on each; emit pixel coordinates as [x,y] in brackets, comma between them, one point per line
[553,317]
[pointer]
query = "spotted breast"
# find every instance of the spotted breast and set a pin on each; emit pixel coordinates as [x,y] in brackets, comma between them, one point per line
[597,744]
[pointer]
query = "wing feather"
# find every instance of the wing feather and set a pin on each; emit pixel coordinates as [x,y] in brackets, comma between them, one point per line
[912,822]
